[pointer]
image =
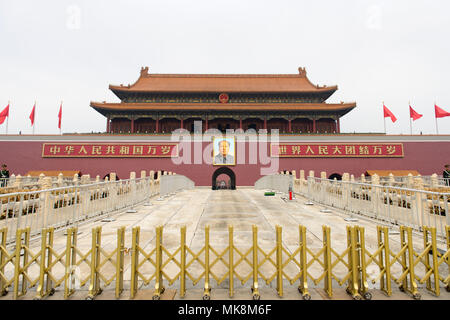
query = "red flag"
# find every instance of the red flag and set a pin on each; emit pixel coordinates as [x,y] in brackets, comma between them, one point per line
[4,114]
[59,116]
[440,113]
[32,115]
[388,113]
[414,115]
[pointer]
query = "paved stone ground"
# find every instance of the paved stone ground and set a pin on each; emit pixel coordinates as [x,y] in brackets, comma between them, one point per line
[241,208]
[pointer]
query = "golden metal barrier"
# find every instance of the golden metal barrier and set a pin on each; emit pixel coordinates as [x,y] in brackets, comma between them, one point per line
[102,268]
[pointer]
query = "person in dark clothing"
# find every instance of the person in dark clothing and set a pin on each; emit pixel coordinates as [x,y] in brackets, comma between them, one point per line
[446,175]
[4,176]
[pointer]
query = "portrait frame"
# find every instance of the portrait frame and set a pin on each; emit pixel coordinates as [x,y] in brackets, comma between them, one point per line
[231,151]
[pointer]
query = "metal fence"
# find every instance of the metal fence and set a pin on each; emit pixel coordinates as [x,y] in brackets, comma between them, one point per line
[391,205]
[278,182]
[174,183]
[433,181]
[65,206]
[96,267]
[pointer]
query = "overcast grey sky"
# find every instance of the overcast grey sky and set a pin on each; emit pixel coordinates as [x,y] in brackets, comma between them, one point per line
[393,51]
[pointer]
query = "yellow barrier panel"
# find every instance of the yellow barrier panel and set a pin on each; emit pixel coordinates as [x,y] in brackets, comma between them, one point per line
[446,257]
[279,261]
[207,288]
[230,261]
[327,261]
[353,264]
[45,284]
[407,262]
[120,261]
[5,259]
[71,256]
[183,261]
[254,288]
[134,262]
[94,285]
[362,268]
[159,287]
[303,287]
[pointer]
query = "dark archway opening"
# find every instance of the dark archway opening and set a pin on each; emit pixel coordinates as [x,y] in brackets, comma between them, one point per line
[226,171]
[335,175]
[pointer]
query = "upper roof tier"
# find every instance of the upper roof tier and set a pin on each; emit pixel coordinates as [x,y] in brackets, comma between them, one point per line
[226,83]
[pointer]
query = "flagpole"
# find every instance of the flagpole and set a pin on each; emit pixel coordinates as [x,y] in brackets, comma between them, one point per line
[34,116]
[410,121]
[384,119]
[437,130]
[60,127]
[7,120]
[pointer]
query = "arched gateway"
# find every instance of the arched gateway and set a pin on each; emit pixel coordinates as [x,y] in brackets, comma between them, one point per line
[228,172]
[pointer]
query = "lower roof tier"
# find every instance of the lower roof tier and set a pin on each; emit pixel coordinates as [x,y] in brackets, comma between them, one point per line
[108,108]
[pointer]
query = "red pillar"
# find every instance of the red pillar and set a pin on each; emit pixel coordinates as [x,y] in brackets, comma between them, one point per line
[132,125]
[157,125]
[108,125]
[314,125]
[240,123]
[181,123]
[265,123]
[338,126]
[289,126]
[206,124]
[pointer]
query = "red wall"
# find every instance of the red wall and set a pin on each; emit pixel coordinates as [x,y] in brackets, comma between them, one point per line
[22,156]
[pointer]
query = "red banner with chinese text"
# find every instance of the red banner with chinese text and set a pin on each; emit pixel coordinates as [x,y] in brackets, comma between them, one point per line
[105,150]
[332,150]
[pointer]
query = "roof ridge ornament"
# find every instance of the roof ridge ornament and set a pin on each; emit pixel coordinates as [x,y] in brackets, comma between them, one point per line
[144,71]
[302,71]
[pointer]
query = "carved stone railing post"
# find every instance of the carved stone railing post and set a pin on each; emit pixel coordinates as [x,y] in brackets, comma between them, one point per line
[421,200]
[434,180]
[85,195]
[391,180]
[75,180]
[410,181]
[60,180]
[345,190]
[45,202]
[18,182]
[152,183]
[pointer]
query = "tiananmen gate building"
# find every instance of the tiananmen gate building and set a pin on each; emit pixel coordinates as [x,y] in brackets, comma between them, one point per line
[206,125]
